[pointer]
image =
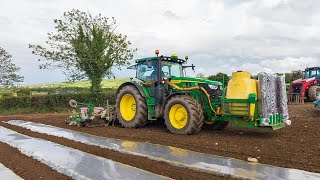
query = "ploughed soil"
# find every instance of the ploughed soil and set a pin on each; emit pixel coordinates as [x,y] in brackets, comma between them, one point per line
[136,161]
[296,146]
[26,167]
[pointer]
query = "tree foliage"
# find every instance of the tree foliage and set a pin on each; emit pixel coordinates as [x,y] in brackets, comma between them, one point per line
[8,70]
[200,75]
[294,75]
[221,77]
[86,46]
[254,76]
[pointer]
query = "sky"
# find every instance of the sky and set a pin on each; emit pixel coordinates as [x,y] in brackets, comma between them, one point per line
[218,36]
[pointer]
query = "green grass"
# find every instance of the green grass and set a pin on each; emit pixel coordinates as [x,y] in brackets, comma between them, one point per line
[106,83]
[33,110]
[5,91]
[39,93]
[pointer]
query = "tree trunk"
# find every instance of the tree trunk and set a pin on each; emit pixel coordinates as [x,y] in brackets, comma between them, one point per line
[96,85]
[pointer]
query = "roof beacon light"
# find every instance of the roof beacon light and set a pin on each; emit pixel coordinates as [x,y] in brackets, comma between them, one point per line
[157,52]
[186,57]
[174,56]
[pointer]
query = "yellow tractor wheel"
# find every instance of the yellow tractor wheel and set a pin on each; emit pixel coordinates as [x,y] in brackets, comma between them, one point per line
[131,108]
[128,107]
[183,115]
[178,116]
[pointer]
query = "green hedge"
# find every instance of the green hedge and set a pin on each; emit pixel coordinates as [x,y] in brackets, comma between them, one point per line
[65,90]
[53,102]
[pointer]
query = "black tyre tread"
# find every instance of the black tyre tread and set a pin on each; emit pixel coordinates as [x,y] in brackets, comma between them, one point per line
[141,117]
[313,93]
[197,116]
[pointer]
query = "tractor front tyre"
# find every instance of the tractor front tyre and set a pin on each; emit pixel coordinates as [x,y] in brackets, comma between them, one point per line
[131,107]
[183,115]
[314,93]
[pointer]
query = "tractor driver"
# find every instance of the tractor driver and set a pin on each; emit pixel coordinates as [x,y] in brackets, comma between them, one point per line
[154,74]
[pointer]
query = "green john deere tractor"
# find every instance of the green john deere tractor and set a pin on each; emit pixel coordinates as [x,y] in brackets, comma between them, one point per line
[161,90]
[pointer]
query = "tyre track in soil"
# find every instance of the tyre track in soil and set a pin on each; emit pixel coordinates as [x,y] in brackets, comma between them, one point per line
[156,167]
[26,167]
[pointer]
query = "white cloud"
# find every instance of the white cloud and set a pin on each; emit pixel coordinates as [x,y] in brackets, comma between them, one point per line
[218,35]
[268,65]
[289,63]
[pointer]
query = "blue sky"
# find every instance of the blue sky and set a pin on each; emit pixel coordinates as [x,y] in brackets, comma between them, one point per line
[219,36]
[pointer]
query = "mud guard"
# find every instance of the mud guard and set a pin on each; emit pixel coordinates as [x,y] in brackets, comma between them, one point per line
[143,94]
[173,94]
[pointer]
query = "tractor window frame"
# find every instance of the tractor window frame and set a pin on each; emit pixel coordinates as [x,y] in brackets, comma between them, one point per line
[172,72]
[144,64]
[308,73]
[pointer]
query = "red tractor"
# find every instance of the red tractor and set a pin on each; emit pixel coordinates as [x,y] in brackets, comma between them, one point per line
[308,86]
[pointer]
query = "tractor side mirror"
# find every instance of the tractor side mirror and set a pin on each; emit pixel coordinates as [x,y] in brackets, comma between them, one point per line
[192,66]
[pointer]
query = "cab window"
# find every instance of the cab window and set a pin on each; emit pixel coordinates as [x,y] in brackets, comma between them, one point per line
[146,73]
[169,70]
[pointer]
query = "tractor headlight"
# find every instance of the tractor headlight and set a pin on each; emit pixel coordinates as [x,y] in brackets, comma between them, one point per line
[214,87]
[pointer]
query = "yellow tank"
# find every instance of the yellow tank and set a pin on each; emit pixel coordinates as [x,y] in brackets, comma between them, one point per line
[239,87]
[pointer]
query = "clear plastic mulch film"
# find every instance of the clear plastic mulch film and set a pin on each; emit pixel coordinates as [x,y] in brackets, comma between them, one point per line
[169,154]
[8,174]
[272,96]
[283,98]
[72,162]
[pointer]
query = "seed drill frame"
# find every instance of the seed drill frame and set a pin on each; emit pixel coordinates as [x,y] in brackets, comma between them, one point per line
[90,118]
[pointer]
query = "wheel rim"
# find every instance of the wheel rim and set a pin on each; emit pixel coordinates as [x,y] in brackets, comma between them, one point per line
[128,107]
[178,116]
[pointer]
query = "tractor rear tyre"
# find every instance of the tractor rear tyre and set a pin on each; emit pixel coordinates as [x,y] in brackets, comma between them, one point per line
[131,107]
[314,93]
[183,115]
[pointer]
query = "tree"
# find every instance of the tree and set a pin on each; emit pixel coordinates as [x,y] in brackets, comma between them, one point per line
[85,46]
[200,75]
[221,77]
[294,75]
[8,70]
[254,76]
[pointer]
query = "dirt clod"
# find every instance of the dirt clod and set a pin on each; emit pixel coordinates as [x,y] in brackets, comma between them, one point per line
[253,160]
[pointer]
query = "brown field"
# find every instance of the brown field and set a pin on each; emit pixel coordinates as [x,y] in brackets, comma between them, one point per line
[296,146]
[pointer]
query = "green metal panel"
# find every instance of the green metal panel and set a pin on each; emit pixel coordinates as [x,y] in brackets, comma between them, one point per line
[196,81]
[150,104]
[256,123]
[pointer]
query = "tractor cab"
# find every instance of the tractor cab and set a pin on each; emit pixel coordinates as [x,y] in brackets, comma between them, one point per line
[308,86]
[312,72]
[147,68]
